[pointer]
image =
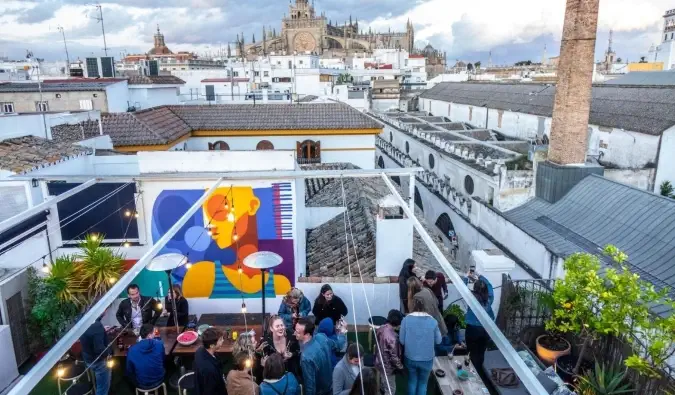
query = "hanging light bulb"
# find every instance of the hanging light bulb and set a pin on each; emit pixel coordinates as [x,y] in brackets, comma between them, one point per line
[112,280]
[136,214]
[60,371]
[188,265]
[110,363]
[159,305]
[240,270]
[209,232]
[235,236]
[243,307]
[94,237]
[248,363]
[230,217]
[127,213]
[127,244]
[45,267]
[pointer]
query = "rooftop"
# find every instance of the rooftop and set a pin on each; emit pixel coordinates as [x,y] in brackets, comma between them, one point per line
[644,109]
[644,78]
[60,86]
[155,80]
[76,132]
[23,154]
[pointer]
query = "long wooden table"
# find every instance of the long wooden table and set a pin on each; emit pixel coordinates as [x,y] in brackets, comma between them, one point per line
[228,344]
[449,383]
[167,334]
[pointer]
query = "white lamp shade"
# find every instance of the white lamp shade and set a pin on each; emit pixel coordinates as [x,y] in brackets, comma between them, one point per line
[166,262]
[263,260]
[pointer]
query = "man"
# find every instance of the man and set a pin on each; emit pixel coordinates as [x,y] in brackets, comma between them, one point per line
[145,360]
[389,358]
[137,309]
[208,369]
[436,282]
[95,351]
[315,359]
[347,370]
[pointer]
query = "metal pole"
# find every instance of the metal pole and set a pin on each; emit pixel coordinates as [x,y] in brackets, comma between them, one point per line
[100,13]
[173,301]
[33,377]
[411,191]
[264,329]
[524,373]
[63,33]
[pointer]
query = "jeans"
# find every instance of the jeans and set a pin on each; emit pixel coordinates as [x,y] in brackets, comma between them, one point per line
[102,375]
[392,384]
[418,376]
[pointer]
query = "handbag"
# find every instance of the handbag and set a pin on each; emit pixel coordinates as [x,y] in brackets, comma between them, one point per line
[505,377]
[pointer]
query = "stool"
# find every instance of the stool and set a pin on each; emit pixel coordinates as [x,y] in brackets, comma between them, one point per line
[154,391]
[375,322]
[73,371]
[186,383]
[80,389]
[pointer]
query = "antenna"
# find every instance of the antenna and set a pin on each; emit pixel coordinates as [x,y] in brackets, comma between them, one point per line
[543,57]
[100,19]
[63,33]
[609,46]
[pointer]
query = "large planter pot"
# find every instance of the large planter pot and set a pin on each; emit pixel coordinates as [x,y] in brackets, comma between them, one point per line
[564,366]
[547,353]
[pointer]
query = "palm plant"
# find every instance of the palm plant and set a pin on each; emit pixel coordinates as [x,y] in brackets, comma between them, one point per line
[604,380]
[100,266]
[65,274]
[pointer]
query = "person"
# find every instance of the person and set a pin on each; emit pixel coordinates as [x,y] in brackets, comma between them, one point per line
[419,334]
[406,272]
[327,304]
[137,310]
[293,307]
[246,343]
[182,307]
[436,282]
[337,336]
[277,341]
[95,350]
[454,341]
[371,382]
[476,337]
[388,358]
[417,291]
[239,380]
[277,381]
[145,360]
[347,369]
[208,369]
[315,359]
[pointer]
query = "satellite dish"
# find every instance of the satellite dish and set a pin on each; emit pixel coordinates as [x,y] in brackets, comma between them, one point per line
[166,262]
[263,260]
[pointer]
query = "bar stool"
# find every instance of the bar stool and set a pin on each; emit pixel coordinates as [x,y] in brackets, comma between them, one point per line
[80,389]
[375,323]
[72,373]
[153,391]
[186,383]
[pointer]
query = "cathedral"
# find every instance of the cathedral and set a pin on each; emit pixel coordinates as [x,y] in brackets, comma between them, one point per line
[303,31]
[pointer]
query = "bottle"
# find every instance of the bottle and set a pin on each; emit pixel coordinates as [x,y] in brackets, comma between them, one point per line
[156,332]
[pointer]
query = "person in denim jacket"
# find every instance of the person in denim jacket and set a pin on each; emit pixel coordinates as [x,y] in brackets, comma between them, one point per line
[293,307]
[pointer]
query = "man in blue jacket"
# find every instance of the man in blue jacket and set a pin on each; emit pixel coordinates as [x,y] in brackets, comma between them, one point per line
[145,360]
[95,351]
[315,361]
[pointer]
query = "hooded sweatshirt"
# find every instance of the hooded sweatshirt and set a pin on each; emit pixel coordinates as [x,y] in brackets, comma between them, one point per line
[145,363]
[327,327]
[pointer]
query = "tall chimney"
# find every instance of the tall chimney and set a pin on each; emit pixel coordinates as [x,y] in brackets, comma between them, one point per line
[569,127]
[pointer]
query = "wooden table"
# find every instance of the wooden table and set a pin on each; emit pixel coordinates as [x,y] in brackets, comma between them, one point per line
[167,334]
[227,344]
[232,319]
[449,383]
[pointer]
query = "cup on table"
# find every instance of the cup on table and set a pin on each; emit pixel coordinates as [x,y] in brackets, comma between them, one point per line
[234,335]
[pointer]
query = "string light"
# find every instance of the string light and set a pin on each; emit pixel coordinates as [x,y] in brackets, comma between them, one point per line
[188,265]
[248,363]
[240,270]
[235,236]
[209,232]
[127,244]
[94,237]
[243,307]
[136,214]
[60,371]
[230,217]
[159,305]
[45,267]
[127,213]
[112,280]
[110,363]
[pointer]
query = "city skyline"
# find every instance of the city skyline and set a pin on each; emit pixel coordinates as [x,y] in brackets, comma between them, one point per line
[513,31]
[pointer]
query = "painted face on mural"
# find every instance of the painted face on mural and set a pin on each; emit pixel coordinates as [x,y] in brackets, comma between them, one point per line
[229,213]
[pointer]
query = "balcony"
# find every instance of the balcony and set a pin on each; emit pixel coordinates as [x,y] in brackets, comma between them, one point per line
[309,161]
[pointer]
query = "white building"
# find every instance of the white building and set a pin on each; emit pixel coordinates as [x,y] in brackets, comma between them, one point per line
[665,52]
[154,90]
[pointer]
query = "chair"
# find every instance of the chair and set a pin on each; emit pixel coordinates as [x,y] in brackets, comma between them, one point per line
[72,373]
[375,323]
[186,383]
[153,391]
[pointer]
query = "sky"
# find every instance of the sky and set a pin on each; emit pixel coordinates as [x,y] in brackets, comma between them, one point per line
[512,30]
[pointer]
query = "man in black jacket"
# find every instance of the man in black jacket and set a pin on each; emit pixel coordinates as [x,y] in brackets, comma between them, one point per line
[208,369]
[137,309]
[95,351]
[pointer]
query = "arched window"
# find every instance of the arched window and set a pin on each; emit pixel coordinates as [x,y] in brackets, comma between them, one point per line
[468,185]
[432,161]
[264,145]
[380,163]
[391,137]
[407,148]
[219,146]
[418,200]
[445,225]
[309,151]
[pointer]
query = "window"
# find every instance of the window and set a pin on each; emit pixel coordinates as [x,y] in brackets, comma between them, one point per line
[432,161]
[264,145]
[300,62]
[256,73]
[235,73]
[380,163]
[41,106]
[266,73]
[6,107]
[445,225]
[309,151]
[391,137]
[407,148]
[86,104]
[219,146]
[468,185]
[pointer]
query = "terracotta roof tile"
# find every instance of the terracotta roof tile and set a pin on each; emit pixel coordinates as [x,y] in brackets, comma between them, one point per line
[23,154]
[155,80]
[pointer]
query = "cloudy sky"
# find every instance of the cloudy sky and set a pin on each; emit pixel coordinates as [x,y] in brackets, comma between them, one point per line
[513,30]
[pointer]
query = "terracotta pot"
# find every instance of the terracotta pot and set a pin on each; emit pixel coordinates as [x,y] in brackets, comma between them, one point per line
[549,356]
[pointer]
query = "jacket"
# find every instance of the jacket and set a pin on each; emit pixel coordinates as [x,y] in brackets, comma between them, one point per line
[182,308]
[94,342]
[150,312]
[335,309]
[316,366]
[286,312]
[293,363]
[337,341]
[240,382]
[403,276]
[343,377]
[419,334]
[390,347]
[208,374]
[287,385]
[470,317]
[145,363]
[431,306]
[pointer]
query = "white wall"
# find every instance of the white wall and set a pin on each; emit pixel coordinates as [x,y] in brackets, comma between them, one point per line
[641,178]
[146,96]
[317,216]
[33,124]
[9,371]
[118,97]
[666,165]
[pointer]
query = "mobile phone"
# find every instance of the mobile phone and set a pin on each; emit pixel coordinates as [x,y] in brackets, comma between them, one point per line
[472,269]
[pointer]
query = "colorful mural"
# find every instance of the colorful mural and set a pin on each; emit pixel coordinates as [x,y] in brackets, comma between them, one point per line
[233,223]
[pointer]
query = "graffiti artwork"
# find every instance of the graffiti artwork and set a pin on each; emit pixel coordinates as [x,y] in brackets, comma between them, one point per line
[234,223]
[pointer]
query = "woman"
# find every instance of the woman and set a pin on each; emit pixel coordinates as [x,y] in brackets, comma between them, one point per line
[182,308]
[476,337]
[293,307]
[371,382]
[329,305]
[417,291]
[239,380]
[247,344]
[406,272]
[337,336]
[388,359]
[419,334]
[277,342]
[277,381]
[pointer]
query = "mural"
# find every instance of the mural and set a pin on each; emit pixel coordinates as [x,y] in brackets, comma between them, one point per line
[233,223]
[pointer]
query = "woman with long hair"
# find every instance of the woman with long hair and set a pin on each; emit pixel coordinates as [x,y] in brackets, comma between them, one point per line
[371,382]
[293,307]
[476,337]
[182,308]
[277,341]
[417,291]
[407,271]
[329,305]
[247,343]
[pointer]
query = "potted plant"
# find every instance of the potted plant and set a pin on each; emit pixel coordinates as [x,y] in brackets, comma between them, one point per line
[604,380]
[100,266]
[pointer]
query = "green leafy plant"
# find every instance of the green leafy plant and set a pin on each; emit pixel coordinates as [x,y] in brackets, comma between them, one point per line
[667,189]
[457,311]
[100,266]
[65,274]
[604,380]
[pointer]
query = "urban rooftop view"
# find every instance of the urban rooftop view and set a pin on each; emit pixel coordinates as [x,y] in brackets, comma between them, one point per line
[328,198]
